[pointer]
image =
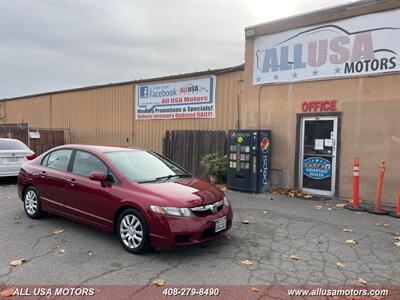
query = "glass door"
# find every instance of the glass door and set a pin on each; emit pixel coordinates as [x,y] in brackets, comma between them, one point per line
[318,155]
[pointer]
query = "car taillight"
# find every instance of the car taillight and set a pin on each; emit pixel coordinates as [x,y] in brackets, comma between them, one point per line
[31,156]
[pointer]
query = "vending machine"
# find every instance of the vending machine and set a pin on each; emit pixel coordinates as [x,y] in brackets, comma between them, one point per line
[249,160]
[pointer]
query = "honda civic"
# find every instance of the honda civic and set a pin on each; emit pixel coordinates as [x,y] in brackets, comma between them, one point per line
[144,198]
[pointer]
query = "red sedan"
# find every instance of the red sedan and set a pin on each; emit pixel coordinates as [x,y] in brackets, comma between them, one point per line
[143,197]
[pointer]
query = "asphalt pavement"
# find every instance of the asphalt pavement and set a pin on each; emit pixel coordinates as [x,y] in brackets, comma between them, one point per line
[282,240]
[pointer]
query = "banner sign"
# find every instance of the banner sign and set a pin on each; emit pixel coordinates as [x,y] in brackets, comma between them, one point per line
[362,45]
[317,168]
[192,99]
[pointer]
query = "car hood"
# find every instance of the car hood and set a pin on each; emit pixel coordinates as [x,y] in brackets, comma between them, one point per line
[184,192]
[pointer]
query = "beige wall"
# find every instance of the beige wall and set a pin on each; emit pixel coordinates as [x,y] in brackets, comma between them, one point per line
[96,116]
[106,115]
[32,110]
[370,128]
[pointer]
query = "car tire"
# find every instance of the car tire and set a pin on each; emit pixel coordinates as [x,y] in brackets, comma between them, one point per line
[133,231]
[32,205]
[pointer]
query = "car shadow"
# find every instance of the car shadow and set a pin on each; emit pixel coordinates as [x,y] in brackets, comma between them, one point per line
[8,180]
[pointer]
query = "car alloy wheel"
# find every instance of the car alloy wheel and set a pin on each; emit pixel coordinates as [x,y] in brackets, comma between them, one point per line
[32,203]
[133,232]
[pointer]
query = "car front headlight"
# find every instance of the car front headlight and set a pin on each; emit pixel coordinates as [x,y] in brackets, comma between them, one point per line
[172,211]
[226,201]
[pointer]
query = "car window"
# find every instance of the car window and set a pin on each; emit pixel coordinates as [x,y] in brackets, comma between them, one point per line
[6,144]
[58,159]
[142,166]
[85,163]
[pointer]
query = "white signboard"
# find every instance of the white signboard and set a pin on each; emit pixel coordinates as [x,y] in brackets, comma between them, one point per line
[192,99]
[362,45]
[34,134]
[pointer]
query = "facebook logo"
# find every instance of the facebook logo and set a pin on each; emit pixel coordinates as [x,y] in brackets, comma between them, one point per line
[144,91]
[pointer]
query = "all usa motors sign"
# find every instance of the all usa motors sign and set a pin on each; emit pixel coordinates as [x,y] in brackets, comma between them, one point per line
[193,98]
[362,45]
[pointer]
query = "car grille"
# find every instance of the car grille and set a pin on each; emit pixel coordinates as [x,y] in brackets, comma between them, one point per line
[208,209]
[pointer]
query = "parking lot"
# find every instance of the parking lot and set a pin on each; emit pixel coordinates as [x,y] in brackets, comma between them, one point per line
[285,240]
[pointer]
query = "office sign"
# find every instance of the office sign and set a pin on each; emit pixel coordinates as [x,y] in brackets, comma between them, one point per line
[192,99]
[362,45]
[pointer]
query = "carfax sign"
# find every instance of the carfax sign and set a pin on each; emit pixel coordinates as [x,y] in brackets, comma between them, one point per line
[317,168]
[193,99]
[362,45]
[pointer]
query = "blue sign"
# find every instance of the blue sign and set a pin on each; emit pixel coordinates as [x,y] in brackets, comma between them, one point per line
[317,168]
[144,91]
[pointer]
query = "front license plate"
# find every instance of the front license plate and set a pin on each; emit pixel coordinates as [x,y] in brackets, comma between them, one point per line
[220,224]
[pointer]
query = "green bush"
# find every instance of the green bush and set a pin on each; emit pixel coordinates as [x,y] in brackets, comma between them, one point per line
[215,164]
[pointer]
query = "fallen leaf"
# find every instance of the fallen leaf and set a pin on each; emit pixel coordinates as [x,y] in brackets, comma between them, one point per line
[347,230]
[228,237]
[386,225]
[17,218]
[362,280]
[265,211]
[61,251]
[397,238]
[294,257]
[378,224]
[7,292]
[246,262]
[159,282]
[329,208]
[397,244]
[254,289]
[397,233]
[351,242]
[17,262]
[307,196]
[318,206]
[58,231]
[245,222]
[359,213]
[341,205]
[340,264]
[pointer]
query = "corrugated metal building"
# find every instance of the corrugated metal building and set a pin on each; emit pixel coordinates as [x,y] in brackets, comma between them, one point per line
[105,114]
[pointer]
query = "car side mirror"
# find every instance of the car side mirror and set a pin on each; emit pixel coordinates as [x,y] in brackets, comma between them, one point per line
[98,176]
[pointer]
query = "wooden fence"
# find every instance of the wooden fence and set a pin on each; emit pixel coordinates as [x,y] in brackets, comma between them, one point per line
[39,140]
[187,147]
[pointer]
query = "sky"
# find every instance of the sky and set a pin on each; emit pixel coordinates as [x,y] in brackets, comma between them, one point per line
[54,45]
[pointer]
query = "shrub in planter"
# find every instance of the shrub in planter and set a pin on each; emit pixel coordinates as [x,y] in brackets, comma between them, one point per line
[215,164]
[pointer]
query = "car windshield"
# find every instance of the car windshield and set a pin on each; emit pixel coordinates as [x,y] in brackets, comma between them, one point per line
[145,166]
[12,145]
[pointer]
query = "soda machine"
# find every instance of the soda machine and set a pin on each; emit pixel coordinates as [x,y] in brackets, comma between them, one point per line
[249,160]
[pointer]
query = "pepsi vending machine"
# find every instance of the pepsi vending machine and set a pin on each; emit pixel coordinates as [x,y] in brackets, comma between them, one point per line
[249,160]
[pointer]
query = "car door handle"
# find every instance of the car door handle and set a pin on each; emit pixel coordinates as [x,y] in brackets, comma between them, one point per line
[42,174]
[71,181]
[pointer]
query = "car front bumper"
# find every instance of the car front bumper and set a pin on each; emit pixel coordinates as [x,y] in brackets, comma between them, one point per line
[169,231]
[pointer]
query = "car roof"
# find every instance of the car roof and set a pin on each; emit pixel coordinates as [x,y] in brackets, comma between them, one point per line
[7,139]
[99,148]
